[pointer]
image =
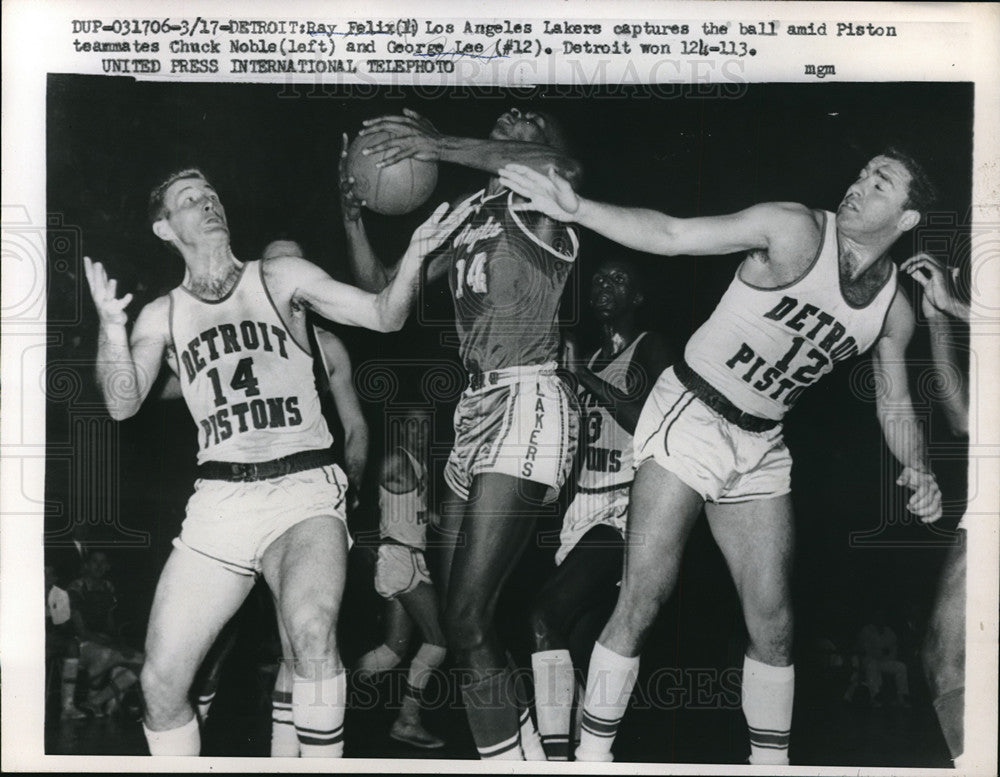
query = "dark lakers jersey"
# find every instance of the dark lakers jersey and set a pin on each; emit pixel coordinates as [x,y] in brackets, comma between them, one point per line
[506,284]
[248,384]
[763,347]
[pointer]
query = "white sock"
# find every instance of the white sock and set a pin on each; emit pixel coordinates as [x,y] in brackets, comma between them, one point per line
[318,712]
[284,739]
[183,740]
[768,692]
[554,681]
[609,687]
[205,704]
[380,659]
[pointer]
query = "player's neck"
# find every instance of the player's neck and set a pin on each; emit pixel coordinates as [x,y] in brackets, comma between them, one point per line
[211,274]
[856,256]
[617,335]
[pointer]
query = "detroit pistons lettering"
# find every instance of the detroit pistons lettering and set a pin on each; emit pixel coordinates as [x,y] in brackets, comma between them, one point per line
[819,344]
[252,411]
[596,458]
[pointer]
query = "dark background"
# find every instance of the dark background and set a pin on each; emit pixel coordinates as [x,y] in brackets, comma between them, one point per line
[272,152]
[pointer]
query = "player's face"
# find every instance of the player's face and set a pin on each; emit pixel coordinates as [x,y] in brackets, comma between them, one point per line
[520,125]
[612,290]
[876,201]
[194,213]
[277,248]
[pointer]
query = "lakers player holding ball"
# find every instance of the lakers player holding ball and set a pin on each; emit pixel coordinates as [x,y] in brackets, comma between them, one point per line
[815,288]
[516,423]
[269,499]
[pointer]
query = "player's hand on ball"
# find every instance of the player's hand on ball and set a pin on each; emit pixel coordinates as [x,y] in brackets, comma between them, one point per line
[350,205]
[432,233]
[110,309]
[413,136]
[925,502]
[549,194]
[933,276]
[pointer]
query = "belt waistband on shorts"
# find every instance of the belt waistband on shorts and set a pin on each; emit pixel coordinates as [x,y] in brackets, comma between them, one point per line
[238,472]
[480,381]
[712,397]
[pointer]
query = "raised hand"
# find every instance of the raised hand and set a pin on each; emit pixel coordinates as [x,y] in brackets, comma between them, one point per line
[551,194]
[938,285]
[110,308]
[350,205]
[413,136]
[925,502]
[432,233]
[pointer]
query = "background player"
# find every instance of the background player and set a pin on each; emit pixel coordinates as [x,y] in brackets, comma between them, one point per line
[515,425]
[944,644]
[814,289]
[268,499]
[614,384]
[401,575]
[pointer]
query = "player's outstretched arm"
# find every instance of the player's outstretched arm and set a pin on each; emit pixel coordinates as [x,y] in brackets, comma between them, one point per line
[759,226]
[126,367]
[939,304]
[337,363]
[369,272]
[894,407]
[415,137]
[382,312]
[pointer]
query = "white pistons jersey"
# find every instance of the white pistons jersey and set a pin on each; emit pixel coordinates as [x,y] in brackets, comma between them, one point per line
[607,445]
[248,384]
[403,517]
[762,348]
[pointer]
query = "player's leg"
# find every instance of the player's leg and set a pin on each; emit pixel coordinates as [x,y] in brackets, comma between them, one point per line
[944,648]
[589,571]
[757,540]
[498,524]
[389,653]
[284,739]
[207,682]
[305,568]
[421,605]
[449,530]
[194,598]
[662,511]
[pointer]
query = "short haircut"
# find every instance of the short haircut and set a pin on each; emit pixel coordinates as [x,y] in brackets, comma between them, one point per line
[921,193]
[157,208]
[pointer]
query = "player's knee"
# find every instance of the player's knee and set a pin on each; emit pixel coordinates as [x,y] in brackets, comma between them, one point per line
[312,634]
[161,690]
[465,627]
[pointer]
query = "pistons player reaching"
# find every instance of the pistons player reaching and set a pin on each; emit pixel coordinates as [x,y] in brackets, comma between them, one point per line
[516,422]
[268,499]
[815,288]
[614,384]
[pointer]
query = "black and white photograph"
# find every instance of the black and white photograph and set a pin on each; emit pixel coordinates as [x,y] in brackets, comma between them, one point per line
[419,423]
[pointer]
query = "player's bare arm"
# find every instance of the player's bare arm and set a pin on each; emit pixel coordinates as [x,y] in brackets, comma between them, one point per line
[785,231]
[416,137]
[126,366]
[338,366]
[894,408]
[296,281]
[939,305]
[369,272]
[652,357]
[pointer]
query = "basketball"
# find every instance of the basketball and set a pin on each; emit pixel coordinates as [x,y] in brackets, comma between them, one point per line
[392,190]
